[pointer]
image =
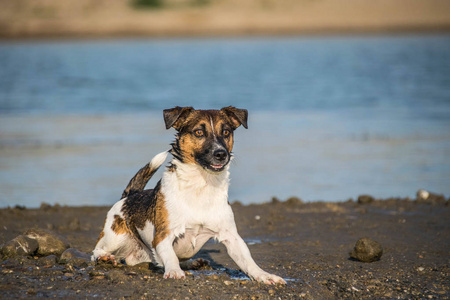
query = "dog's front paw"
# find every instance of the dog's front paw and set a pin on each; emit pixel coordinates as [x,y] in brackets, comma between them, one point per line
[269,279]
[174,273]
[106,259]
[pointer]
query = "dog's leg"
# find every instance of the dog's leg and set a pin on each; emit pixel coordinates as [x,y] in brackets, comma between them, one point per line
[239,252]
[169,259]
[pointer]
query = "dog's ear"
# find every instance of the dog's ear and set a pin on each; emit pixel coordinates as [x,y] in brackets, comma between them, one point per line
[238,116]
[175,117]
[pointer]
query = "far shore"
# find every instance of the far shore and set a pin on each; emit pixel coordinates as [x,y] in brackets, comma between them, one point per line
[27,19]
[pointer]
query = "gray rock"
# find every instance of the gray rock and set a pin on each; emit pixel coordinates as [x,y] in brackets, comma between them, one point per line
[19,246]
[367,250]
[75,257]
[49,242]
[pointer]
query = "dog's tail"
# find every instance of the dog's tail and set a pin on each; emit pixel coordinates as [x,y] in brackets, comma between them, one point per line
[139,181]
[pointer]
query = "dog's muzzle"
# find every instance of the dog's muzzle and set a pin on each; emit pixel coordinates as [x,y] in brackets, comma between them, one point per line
[215,159]
[221,158]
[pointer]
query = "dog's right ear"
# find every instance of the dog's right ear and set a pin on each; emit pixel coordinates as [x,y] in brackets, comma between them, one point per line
[175,117]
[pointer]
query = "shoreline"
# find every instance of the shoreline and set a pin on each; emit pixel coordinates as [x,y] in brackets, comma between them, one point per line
[235,35]
[318,32]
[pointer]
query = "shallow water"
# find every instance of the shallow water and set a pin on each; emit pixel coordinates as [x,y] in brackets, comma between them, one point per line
[330,118]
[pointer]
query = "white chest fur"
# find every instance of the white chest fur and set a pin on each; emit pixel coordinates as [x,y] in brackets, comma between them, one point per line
[196,199]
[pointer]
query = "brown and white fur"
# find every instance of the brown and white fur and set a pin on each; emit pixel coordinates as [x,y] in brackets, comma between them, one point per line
[188,206]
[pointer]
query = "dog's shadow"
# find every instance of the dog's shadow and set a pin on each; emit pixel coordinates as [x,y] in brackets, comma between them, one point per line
[203,262]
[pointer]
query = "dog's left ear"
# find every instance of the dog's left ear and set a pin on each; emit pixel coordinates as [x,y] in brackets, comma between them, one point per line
[238,116]
[175,117]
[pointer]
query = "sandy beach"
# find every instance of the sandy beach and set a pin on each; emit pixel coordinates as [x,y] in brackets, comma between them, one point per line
[118,18]
[308,244]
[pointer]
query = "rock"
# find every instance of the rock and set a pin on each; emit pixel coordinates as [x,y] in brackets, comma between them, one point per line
[422,195]
[74,256]
[365,199]
[19,246]
[45,206]
[49,243]
[47,260]
[367,250]
[227,282]
[293,201]
[426,197]
[275,200]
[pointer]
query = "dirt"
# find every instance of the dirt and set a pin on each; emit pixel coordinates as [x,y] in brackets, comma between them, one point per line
[308,244]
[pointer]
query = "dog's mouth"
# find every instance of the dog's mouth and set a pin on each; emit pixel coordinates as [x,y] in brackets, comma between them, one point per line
[216,168]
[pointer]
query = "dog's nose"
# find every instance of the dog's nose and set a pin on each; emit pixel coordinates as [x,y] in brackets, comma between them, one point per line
[220,155]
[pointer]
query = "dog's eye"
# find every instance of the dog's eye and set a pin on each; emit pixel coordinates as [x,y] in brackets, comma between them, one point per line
[199,132]
[226,132]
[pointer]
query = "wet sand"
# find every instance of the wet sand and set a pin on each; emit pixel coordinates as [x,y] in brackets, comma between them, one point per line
[87,18]
[306,243]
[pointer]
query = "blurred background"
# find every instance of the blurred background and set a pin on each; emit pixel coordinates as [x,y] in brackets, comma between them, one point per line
[344,97]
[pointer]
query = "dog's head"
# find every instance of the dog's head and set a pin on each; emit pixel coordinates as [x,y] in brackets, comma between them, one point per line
[204,137]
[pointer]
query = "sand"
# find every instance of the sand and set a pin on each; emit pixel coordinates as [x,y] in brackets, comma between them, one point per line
[118,18]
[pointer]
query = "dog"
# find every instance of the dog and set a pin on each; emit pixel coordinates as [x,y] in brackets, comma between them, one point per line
[188,206]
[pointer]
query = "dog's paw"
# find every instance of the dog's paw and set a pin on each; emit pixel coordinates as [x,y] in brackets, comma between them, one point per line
[106,259]
[267,278]
[174,273]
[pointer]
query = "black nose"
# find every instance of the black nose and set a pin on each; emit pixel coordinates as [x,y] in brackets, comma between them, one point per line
[220,155]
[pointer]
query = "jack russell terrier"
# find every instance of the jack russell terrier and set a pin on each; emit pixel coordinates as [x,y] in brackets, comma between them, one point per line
[188,206]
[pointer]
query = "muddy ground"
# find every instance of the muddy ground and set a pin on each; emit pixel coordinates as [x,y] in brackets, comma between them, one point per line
[307,244]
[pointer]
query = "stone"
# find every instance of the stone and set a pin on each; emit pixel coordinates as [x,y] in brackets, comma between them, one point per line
[49,242]
[293,201]
[19,246]
[426,197]
[365,199]
[74,256]
[367,250]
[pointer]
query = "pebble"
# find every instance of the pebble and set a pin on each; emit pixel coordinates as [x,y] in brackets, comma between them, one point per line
[227,282]
[367,250]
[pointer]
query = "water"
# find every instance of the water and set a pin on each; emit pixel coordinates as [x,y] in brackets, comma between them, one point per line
[330,117]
